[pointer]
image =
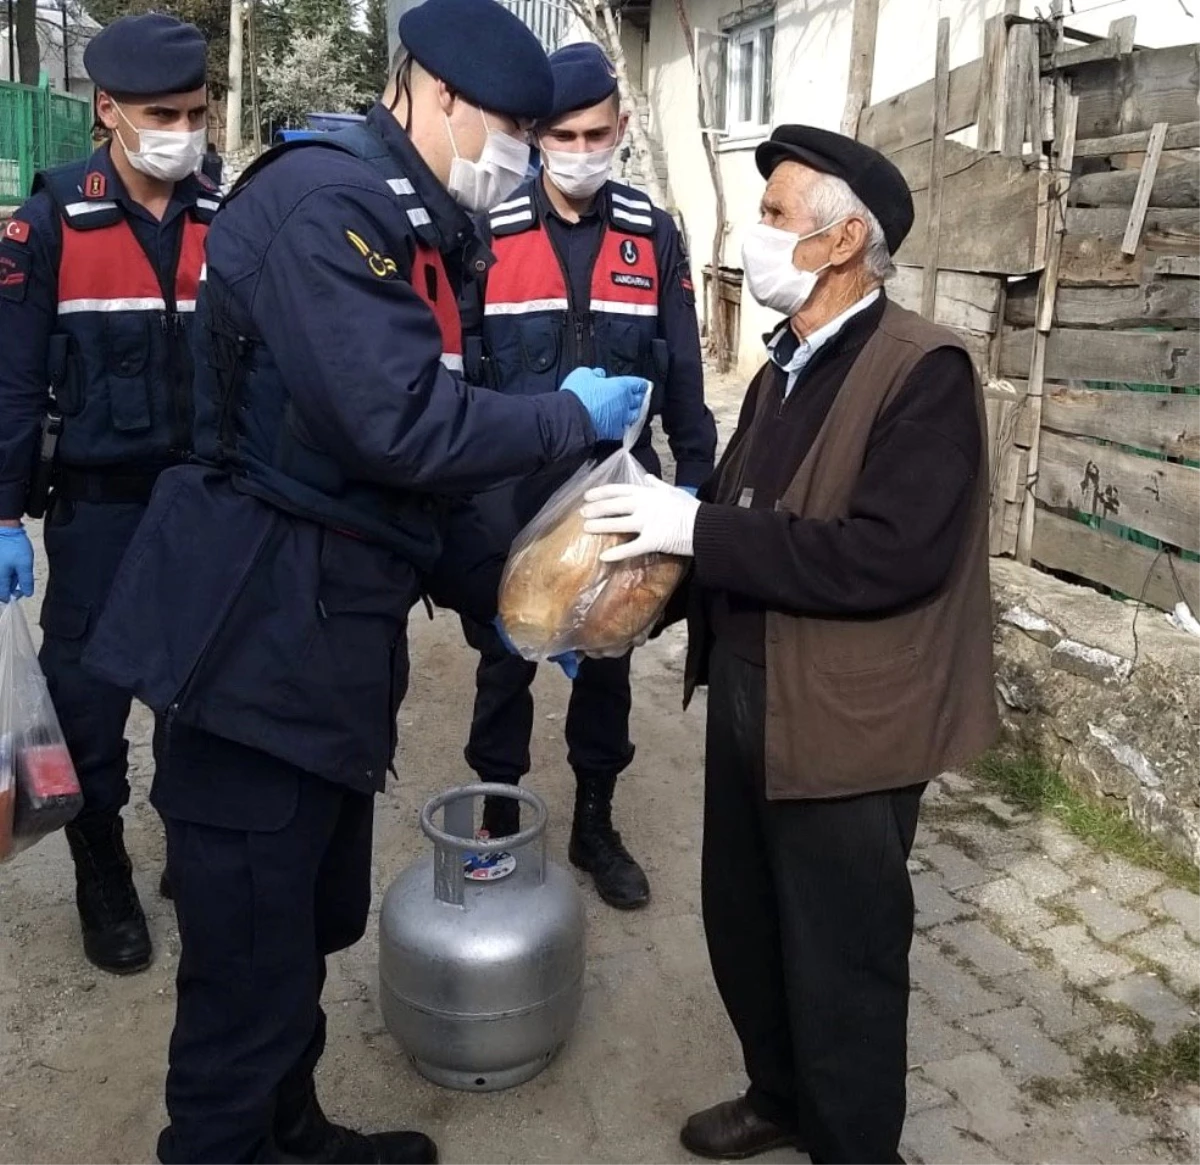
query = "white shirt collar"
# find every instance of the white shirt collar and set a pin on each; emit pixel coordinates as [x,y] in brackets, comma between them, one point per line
[807,347]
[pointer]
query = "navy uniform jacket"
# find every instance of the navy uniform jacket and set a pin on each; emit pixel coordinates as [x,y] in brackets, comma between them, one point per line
[271,630]
[29,260]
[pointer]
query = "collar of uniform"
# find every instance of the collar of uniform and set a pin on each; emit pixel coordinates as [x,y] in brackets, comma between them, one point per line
[183,196]
[546,208]
[451,221]
[850,329]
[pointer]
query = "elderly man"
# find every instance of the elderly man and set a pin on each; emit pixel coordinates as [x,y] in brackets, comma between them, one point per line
[840,614]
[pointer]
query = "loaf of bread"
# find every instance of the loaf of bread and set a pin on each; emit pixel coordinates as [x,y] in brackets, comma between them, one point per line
[557,588]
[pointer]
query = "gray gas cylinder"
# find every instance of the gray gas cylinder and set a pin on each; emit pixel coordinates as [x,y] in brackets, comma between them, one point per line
[481,982]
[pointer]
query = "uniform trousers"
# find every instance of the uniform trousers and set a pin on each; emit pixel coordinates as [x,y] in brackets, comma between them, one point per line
[597,727]
[808,913]
[271,872]
[85,543]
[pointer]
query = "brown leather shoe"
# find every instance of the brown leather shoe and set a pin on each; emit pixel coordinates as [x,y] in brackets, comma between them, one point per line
[732,1131]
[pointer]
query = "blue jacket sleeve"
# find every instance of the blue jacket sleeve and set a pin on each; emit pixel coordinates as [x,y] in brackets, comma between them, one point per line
[28,299]
[689,426]
[360,353]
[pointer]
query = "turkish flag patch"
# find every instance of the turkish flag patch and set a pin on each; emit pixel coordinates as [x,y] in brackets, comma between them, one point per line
[16,231]
[94,185]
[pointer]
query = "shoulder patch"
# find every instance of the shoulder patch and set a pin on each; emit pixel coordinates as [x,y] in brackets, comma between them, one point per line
[684,274]
[94,185]
[15,231]
[14,273]
[381,266]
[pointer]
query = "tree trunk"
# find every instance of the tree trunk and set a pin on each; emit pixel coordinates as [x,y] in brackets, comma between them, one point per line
[28,52]
[604,29]
[719,345]
[233,127]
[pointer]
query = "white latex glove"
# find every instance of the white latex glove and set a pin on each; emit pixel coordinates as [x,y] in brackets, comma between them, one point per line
[662,517]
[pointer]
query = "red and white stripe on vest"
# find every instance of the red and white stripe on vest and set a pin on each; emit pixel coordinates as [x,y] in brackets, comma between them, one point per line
[104,269]
[430,282]
[429,279]
[528,277]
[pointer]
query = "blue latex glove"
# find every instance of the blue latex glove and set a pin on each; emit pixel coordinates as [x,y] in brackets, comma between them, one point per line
[689,489]
[568,661]
[613,402]
[16,564]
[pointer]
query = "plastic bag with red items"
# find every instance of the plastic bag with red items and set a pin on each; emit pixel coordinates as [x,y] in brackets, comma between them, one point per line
[39,791]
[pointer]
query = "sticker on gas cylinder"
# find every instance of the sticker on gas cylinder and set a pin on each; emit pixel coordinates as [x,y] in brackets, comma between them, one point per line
[488,867]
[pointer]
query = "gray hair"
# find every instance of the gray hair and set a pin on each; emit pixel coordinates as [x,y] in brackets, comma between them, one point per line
[830,200]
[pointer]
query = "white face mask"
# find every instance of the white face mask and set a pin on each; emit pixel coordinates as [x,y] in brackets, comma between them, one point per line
[579,175]
[773,278]
[478,186]
[168,155]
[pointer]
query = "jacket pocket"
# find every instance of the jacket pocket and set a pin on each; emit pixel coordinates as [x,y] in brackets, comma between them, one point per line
[624,351]
[127,354]
[65,620]
[539,340]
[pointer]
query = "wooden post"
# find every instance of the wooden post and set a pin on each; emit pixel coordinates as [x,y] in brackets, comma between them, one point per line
[1057,212]
[1021,74]
[1141,199]
[937,167]
[1120,33]
[991,85]
[862,63]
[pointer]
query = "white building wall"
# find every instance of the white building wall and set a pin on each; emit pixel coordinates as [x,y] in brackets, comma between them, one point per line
[812,52]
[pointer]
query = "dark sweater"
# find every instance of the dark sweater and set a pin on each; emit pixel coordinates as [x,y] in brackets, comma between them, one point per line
[898,541]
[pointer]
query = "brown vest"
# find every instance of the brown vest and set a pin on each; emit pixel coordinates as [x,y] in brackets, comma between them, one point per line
[860,705]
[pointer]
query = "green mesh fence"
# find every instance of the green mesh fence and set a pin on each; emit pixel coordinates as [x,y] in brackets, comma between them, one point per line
[38,128]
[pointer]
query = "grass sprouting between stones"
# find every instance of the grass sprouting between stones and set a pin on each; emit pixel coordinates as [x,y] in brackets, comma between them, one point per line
[1145,1073]
[1030,783]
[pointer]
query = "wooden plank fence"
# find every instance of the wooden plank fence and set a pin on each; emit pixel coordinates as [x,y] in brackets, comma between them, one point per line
[1106,467]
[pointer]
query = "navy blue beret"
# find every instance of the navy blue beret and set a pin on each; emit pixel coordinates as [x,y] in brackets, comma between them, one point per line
[143,56]
[482,51]
[583,77]
[875,179]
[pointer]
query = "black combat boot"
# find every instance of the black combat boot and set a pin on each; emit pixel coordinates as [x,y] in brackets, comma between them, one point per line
[307,1134]
[501,816]
[596,847]
[115,937]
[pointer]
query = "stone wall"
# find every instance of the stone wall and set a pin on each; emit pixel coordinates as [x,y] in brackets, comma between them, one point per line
[1113,702]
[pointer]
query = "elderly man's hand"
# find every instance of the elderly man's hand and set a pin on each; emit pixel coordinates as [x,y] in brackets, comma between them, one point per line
[662,517]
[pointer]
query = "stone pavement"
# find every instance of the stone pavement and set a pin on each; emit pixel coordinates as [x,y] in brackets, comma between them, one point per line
[1032,950]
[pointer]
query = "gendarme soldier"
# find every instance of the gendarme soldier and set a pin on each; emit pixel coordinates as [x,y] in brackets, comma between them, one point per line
[588,272]
[99,273]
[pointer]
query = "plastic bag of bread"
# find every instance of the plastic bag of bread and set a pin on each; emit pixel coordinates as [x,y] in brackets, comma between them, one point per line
[557,596]
[39,791]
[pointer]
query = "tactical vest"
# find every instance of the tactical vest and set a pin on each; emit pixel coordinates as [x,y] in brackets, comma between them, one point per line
[533,335]
[120,353]
[275,458]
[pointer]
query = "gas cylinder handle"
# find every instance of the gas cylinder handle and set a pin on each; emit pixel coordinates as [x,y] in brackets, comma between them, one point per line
[449,847]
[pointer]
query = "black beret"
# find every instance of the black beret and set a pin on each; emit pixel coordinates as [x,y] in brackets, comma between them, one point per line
[876,181]
[143,56]
[583,77]
[482,51]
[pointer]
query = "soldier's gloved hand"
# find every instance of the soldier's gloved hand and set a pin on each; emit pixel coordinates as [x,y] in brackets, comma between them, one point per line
[613,402]
[568,661]
[16,564]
